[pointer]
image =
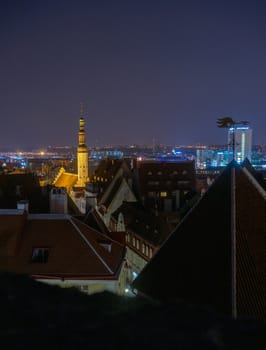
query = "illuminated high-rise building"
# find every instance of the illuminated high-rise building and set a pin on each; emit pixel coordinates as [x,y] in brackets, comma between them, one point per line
[82,153]
[240,142]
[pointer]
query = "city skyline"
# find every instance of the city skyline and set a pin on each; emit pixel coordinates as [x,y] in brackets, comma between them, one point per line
[158,72]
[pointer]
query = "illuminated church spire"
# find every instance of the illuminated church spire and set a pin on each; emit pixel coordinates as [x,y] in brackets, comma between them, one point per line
[82,152]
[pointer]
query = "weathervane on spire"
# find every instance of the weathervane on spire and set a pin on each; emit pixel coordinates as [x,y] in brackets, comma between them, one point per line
[81,109]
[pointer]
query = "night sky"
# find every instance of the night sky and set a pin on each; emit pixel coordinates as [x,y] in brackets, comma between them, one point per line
[147,71]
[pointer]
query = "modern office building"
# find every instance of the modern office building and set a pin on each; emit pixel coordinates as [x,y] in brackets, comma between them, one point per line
[240,142]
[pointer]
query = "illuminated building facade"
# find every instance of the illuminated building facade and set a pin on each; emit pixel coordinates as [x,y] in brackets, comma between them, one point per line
[163,185]
[240,137]
[209,158]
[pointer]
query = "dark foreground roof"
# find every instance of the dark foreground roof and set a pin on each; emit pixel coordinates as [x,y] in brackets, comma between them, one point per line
[39,316]
[217,254]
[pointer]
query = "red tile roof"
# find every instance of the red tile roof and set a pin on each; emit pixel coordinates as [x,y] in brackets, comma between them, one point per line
[74,249]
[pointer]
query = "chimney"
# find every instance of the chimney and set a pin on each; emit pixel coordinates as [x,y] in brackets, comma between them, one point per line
[23,205]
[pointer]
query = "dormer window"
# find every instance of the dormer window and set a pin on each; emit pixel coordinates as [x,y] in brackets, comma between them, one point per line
[107,245]
[40,255]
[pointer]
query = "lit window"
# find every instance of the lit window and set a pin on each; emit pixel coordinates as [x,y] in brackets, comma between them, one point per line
[134,275]
[163,194]
[137,243]
[40,255]
[143,248]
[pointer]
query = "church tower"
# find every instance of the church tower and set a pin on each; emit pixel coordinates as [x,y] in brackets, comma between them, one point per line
[82,153]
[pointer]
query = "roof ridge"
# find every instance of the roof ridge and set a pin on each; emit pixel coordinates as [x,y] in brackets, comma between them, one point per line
[101,233]
[90,245]
[254,182]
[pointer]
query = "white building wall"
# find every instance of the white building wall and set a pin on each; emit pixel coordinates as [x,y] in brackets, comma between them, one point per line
[58,201]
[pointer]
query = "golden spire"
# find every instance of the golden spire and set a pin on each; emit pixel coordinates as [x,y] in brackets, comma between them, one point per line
[81,135]
[82,152]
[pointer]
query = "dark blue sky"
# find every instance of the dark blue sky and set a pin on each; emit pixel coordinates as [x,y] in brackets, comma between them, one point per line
[146,70]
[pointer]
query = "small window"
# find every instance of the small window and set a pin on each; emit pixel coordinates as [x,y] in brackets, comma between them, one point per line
[40,255]
[147,250]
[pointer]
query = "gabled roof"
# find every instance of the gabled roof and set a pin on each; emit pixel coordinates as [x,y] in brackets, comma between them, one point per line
[109,167]
[14,187]
[113,189]
[145,224]
[75,250]
[117,191]
[217,254]
[66,180]
[257,174]
[95,221]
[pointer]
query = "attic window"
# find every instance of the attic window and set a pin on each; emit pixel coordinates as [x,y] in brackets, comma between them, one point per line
[40,255]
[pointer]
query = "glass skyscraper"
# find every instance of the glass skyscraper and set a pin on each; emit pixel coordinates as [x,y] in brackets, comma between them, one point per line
[240,138]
